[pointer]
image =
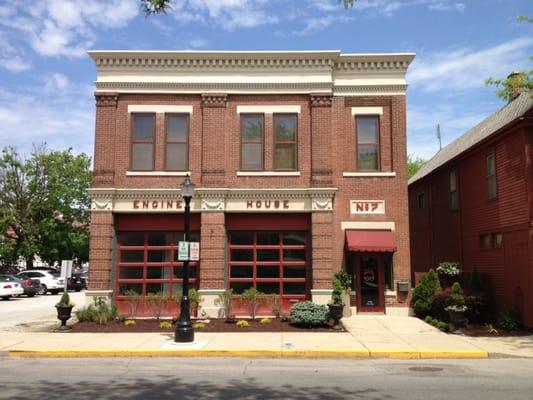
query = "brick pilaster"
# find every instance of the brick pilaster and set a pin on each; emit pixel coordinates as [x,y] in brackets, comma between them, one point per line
[322,249]
[321,169]
[101,251]
[212,252]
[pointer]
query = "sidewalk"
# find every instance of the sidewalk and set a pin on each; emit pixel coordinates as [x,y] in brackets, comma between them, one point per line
[367,337]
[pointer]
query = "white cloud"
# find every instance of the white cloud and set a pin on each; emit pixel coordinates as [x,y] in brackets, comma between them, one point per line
[465,69]
[317,24]
[56,81]
[65,27]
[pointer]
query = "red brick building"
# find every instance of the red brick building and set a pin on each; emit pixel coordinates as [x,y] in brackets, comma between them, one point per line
[473,203]
[299,161]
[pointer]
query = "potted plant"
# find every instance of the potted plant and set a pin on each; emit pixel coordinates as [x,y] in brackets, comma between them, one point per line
[457,307]
[448,272]
[336,306]
[64,310]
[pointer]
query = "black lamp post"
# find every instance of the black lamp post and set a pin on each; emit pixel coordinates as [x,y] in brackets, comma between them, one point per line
[184,332]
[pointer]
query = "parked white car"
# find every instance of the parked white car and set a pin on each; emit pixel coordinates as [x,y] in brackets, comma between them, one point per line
[50,280]
[9,288]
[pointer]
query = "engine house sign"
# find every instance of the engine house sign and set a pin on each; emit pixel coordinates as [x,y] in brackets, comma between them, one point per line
[367,207]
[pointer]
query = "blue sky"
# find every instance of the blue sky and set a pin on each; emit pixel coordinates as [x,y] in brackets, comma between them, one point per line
[46,92]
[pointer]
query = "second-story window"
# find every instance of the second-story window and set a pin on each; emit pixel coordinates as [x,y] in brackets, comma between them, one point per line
[142,142]
[285,142]
[491,176]
[252,133]
[367,133]
[177,142]
[454,194]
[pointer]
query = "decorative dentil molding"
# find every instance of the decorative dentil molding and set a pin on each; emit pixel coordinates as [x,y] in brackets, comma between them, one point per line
[214,99]
[106,99]
[321,100]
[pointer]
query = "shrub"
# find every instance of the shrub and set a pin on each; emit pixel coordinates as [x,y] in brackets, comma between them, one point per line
[423,293]
[275,304]
[65,301]
[156,302]
[345,279]
[195,298]
[478,309]
[265,321]
[129,322]
[336,294]
[440,300]
[473,282]
[199,325]
[133,300]
[252,298]
[443,326]
[309,313]
[98,312]
[490,329]
[508,320]
[165,325]
[449,268]
[456,299]
[224,300]
[242,324]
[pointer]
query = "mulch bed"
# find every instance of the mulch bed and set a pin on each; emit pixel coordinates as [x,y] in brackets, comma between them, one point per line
[481,331]
[214,325]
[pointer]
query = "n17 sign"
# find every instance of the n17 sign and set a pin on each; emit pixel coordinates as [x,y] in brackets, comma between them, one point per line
[194,248]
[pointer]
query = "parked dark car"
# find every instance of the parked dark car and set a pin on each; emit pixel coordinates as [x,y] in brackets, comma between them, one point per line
[76,282]
[31,286]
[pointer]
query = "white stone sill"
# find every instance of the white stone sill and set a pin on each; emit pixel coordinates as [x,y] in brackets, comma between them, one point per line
[368,174]
[157,173]
[268,173]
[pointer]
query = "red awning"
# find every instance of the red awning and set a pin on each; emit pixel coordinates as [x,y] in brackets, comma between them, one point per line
[371,241]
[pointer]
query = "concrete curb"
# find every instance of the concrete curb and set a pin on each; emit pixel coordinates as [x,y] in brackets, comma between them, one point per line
[252,353]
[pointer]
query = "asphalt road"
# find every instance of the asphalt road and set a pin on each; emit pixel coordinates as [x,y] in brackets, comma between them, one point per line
[247,379]
[23,313]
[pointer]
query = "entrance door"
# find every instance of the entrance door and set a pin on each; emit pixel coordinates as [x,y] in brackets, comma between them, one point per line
[369,281]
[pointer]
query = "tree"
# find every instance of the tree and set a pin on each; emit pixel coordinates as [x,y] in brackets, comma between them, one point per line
[516,81]
[151,7]
[44,205]
[413,165]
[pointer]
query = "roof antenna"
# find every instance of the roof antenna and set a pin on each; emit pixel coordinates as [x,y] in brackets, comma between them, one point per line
[438,137]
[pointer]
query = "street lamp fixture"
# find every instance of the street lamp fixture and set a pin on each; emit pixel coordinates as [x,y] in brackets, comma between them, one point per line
[184,332]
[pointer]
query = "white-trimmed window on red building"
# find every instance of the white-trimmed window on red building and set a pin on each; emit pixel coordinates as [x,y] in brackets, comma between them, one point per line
[177,142]
[367,143]
[285,142]
[252,142]
[142,142]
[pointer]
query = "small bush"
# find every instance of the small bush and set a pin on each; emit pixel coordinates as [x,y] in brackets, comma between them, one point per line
[423,293]
[345,279]
[165,325]
[133,300]
[252,298]
[224,300]
[456,299]
[478,309]
[336,294]
[265,321]
[309,313]
[156,302]
[129,322]
[242,324]
[490,329]
[509,320]
[274,300]
[99,312]
[439,302]
[449,268]
[199,325]
[443,326]
[65,301]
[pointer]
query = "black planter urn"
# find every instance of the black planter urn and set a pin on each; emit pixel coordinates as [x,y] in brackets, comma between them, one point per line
[335,313]
[63,314]
[457,318]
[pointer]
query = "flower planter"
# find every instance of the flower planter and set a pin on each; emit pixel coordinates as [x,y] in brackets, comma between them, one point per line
[63,314]
[335,313]
[457,318]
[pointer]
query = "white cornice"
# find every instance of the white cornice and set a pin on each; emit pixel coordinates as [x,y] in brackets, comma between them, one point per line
[251,72]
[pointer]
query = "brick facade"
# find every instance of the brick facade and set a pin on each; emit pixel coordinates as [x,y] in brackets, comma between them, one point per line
[326,151]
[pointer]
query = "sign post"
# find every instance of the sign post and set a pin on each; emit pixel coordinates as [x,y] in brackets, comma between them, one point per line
[66,272]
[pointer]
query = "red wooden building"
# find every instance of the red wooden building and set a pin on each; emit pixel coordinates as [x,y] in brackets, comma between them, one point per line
[473,203]
[299,161]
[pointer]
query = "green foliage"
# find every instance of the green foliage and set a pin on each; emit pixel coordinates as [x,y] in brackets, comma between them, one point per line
[44,205]
[474,282]
[443,326]
[98,312]
[243,323]
[165,325]
[477,309]
[224,300]
[252,299]
[345,279]
[129,322]
[448,268]
[64,301]
[156,302]
[198,325]
[423,293]
[336,294]
[439,301]
[456,297]
[513,84]
[308,313]
[195,298]
[509,320]
[265,321]
[413,165]
[133,300]
[275,304]
[490,329]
